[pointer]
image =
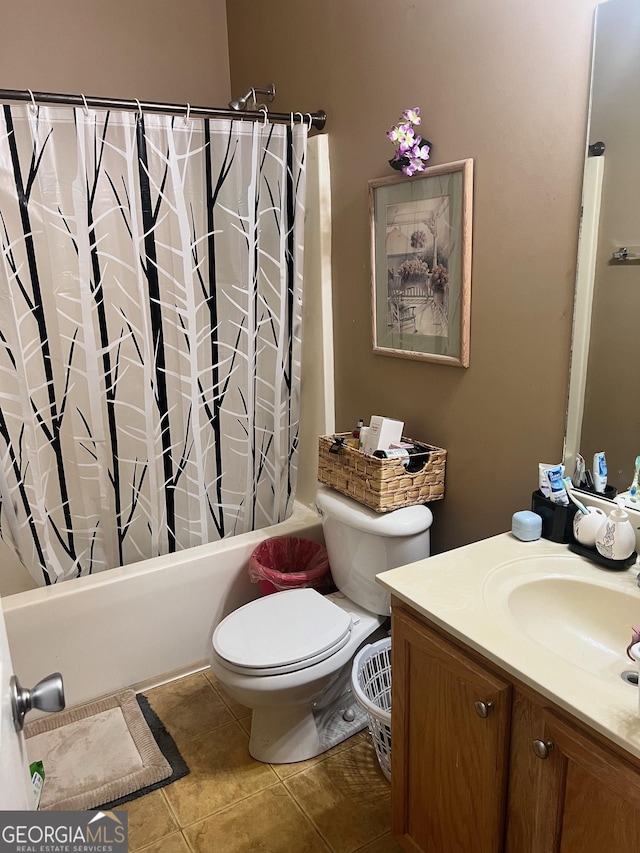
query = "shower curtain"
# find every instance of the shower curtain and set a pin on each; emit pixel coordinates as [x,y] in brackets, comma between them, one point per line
[150,314]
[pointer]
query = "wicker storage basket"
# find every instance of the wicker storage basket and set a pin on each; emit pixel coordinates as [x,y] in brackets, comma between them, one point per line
[381,484]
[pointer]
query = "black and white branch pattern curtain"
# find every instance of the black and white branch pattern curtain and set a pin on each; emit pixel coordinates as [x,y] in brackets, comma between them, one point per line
[150,314]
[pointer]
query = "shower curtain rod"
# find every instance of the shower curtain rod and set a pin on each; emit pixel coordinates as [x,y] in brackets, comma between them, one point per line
[315,119]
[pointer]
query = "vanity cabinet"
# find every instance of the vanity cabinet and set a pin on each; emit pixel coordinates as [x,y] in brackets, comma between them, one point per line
[450,745]
[568,792]
[482,764]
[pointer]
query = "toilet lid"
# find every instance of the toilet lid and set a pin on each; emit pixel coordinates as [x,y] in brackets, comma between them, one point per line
[282,632]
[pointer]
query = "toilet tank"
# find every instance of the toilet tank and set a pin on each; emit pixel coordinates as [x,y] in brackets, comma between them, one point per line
[362,543]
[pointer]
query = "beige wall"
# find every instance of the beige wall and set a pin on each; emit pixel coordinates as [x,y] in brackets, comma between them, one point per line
[506,83]
[159,50]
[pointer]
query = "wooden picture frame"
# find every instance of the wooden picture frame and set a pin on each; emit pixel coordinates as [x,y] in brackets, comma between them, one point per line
[421,264]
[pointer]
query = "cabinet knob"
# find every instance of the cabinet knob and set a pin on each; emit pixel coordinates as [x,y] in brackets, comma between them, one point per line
[483,708]
[542,748]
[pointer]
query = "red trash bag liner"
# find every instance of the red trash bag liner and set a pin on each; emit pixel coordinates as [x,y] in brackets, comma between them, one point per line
[286,562]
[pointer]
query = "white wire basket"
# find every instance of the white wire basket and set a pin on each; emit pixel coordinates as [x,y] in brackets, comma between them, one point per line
[371,683]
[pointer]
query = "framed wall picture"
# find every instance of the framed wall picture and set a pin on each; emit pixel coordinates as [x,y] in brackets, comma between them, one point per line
[421,264]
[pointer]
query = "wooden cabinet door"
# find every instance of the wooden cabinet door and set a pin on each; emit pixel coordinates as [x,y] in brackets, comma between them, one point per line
[449,763]
[588,797]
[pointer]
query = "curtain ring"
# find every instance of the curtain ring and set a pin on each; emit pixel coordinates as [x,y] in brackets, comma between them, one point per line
[265,112]
[310,121]
[291,119]
[33,107]
[139,107]
[85,107]
[187,114]
[301,117]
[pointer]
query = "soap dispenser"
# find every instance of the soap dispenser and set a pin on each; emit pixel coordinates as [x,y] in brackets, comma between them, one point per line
[616,537]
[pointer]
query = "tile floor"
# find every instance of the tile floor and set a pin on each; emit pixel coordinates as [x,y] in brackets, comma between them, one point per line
[229,803]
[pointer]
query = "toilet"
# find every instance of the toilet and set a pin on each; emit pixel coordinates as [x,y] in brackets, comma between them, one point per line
[288,656]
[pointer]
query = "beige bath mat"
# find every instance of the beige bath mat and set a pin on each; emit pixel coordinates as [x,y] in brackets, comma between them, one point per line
[97,754]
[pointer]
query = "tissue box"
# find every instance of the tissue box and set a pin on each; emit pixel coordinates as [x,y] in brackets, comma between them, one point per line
[382,433]
[381,484]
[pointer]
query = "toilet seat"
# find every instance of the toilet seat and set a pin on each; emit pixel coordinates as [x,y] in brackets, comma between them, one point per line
[279,633]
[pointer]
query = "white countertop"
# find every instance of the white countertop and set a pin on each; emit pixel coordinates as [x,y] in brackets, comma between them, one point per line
[462,591]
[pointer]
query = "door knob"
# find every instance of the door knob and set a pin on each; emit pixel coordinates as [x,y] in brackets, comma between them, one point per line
[47,695]
[542,748]
[483,708]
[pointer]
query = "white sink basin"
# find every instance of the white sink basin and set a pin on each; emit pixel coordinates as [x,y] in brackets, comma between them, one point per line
[584,618]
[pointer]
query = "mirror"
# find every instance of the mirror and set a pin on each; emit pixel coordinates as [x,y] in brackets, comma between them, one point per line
[604,402]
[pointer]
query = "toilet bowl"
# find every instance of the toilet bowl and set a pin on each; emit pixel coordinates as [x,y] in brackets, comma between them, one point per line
[288,656]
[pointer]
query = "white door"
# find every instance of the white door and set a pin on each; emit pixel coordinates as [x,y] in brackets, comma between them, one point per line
[15,784]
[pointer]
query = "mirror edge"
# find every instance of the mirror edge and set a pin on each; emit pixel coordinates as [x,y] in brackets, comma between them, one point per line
[585,274]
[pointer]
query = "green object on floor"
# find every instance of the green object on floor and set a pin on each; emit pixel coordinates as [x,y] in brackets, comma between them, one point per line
[36,769]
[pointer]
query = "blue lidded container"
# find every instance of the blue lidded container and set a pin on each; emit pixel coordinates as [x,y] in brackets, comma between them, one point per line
[526,525]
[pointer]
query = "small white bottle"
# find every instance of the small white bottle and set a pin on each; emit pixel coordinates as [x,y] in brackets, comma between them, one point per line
[616,537]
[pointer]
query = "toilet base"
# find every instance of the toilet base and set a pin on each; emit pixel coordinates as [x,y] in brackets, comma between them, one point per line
[287,735]
[300,714]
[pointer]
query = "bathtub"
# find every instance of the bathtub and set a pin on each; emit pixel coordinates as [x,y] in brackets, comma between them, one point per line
[147,623]
[139,625]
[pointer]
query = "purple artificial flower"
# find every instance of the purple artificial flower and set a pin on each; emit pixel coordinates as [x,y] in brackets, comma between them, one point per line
[406,136]
[409,135]
[412,115]
[411,150]
[421,151]
[402,134]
